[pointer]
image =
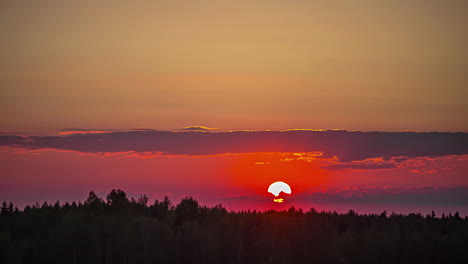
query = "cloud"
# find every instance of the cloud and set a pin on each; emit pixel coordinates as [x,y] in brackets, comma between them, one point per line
[347,146]
[11,140]
[81,131]
[72,131]
[354,167]
[198,128]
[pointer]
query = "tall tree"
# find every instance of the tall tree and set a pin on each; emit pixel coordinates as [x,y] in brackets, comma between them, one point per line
[4,209]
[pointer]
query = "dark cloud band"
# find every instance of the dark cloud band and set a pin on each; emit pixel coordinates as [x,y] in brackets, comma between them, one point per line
[346,145]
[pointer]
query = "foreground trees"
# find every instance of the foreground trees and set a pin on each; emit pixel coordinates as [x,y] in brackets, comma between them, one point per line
[123,230]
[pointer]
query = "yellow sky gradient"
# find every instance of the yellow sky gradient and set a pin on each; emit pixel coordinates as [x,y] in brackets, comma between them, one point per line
[366,65]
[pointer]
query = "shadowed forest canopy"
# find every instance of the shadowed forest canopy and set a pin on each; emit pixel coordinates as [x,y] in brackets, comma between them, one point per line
[128,230]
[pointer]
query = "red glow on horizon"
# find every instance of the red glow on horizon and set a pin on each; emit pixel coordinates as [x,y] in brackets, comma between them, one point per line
[256,171]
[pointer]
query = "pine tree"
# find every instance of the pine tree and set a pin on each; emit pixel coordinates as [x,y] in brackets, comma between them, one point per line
[4,210]
[11,208]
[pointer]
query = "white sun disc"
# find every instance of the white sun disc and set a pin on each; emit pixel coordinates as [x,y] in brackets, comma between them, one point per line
[277,187]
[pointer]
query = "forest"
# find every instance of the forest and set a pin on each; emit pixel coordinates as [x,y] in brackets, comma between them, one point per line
[120,229]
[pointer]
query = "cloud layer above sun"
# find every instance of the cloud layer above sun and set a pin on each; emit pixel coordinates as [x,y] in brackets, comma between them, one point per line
[344,145]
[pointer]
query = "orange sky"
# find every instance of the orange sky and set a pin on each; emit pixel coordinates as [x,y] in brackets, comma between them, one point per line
[367,65]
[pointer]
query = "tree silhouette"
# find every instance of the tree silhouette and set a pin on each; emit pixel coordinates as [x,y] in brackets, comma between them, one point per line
[92,232]
[4,210]
[160,210]
[117,199]
[187,210]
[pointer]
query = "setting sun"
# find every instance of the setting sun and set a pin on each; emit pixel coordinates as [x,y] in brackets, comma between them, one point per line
[277,188]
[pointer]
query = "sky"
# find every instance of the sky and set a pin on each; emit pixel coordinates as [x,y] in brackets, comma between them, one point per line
[150,97]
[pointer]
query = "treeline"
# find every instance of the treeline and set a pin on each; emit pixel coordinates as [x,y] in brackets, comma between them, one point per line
[123,230]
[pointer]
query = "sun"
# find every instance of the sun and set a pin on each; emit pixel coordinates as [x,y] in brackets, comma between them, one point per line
[277,188]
